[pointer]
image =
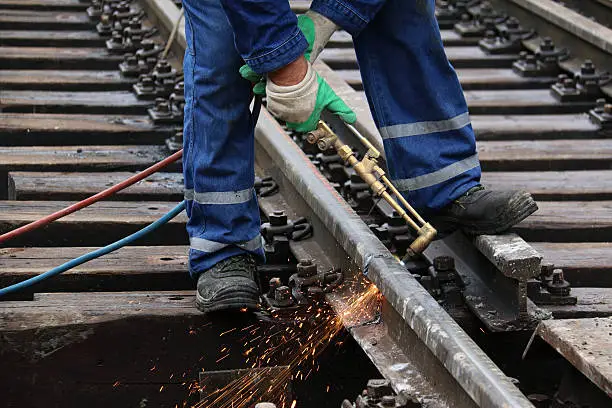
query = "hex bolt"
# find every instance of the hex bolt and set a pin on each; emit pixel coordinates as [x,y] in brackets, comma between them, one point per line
[600,105]
[569,83]
[130,60]
[561,78]
[607,109]
[147,45]
[531,60]
[282,296]
[147,82]
[558,285]
[306,268]
[116,37]
[388,401]
[274,284]
[490,36]
[557,276]
[105,19]
[162,107]
[278,218]
[547,44]
[444,263]
[163,66]
[587,68]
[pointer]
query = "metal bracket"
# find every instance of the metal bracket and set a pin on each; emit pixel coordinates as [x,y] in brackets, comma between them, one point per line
[494,272]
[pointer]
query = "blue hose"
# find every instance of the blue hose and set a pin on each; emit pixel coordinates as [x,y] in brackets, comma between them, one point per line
[94,254]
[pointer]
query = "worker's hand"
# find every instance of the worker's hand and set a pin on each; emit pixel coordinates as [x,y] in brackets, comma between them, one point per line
[316,28]
[301,105]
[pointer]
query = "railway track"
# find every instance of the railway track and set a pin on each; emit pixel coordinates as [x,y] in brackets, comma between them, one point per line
[122,329]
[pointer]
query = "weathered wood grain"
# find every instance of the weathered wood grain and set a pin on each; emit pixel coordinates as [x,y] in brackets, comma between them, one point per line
[586,344]
[44,20]
[80,158]
[129,268]
[97,225]
[58,58]
[24,129]
[118,102]
[555,185]
[569,221]
[76,186]
[67,80]
[43,5]
[562,154]
[50,38]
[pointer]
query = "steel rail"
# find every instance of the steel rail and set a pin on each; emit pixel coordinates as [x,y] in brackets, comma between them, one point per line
[418,312]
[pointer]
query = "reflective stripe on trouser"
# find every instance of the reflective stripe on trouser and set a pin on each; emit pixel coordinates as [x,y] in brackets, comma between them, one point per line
[418,104]
[218,159]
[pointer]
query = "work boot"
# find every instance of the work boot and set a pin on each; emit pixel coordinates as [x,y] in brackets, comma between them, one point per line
[228,285]
[482,211]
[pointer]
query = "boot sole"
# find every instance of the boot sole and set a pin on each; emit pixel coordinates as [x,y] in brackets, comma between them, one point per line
[519,208]
[234,300]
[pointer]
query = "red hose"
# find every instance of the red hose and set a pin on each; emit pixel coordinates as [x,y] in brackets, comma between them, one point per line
[93,199]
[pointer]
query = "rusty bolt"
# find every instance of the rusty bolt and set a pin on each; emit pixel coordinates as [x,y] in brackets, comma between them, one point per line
[557,276]
[306,268]
[282,296]
[607,109]
[274,283]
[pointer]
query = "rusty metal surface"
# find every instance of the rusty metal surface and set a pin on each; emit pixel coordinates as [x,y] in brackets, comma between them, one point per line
[586,343]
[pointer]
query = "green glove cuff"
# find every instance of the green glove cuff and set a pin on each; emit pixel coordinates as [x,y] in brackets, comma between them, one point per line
[326,99]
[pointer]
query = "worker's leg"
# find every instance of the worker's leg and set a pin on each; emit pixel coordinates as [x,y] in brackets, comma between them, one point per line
[218,156]
[418,104]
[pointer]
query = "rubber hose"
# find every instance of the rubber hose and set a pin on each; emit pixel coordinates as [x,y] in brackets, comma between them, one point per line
[94,254]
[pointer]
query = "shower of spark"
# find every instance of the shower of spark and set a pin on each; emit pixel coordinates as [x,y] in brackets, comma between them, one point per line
[295,346]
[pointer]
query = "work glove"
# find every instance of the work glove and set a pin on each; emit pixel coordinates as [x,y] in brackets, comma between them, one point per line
[316,28]
[301,105]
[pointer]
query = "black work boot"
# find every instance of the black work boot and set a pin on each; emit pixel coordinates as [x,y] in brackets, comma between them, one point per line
[482,211]
[228,285]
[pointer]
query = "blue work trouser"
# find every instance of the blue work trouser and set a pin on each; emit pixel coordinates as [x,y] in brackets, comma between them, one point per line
[413,92]
[219,151]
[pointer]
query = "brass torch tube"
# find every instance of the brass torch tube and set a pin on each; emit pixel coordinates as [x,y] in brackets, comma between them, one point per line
[398,208]
[402,199]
